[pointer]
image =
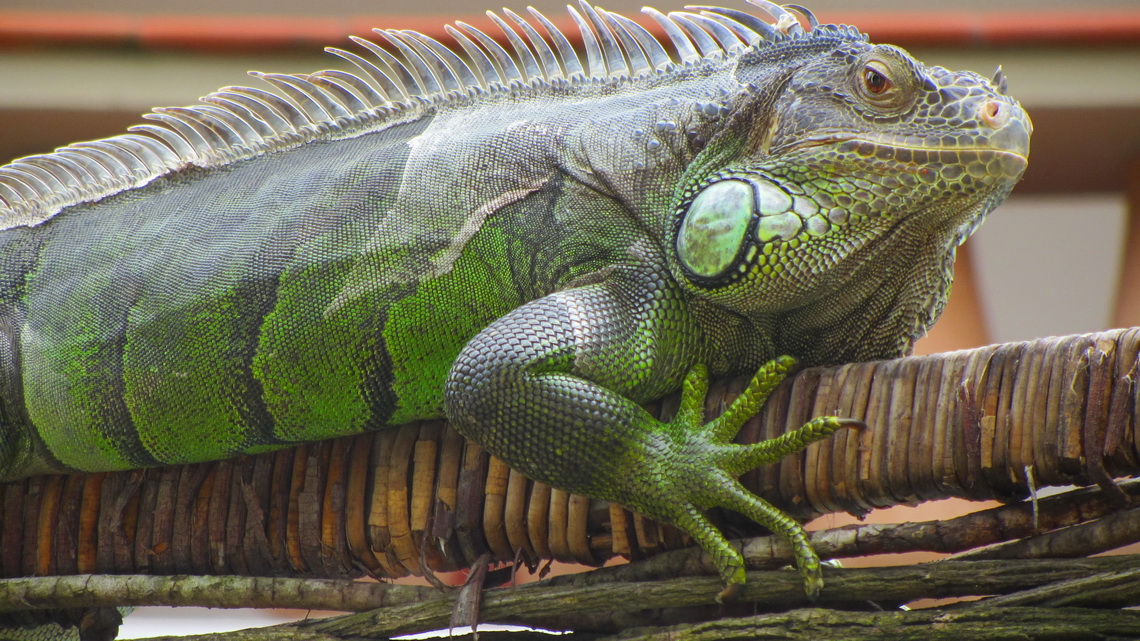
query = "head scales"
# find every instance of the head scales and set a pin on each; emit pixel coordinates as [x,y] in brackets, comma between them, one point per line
[839,214]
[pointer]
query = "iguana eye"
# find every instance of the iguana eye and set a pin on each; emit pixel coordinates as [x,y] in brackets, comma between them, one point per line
[875,81]
[885,81]
[714,227]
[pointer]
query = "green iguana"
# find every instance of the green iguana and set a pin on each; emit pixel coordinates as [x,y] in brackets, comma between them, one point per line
[523,244]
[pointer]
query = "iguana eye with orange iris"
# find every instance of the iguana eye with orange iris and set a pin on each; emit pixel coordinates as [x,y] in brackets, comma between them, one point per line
[875,81]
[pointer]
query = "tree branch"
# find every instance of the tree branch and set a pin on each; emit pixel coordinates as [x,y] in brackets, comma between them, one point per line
[1106,533]
[103,590]
[1056,624]
[1113,589]
[623,606]
[608,607]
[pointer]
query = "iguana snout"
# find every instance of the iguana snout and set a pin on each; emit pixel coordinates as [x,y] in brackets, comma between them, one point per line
[1010,125]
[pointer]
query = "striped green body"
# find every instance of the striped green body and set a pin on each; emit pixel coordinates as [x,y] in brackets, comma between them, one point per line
[295,296]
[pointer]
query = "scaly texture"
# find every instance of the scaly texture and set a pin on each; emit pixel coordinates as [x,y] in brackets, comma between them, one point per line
[522,248]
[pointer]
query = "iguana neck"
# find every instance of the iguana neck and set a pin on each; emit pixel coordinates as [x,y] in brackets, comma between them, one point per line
[639,156]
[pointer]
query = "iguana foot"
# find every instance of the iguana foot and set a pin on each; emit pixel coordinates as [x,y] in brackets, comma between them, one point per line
[700,467]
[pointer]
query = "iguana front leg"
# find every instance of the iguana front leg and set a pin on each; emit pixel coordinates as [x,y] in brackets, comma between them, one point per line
[552,389]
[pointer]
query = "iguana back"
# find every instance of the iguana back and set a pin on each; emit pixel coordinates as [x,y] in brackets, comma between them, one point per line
[314,291]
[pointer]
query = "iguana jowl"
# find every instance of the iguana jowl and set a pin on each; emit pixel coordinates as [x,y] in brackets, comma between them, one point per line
[528,247]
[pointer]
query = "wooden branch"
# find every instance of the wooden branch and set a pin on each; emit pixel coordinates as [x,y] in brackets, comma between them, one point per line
[1106,533]
[563,607]
[1113,589]
[102,590]
[620,606]
[289,632]
[1058,624]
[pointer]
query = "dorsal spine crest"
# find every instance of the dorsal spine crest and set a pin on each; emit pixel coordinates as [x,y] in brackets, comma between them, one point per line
[238,123]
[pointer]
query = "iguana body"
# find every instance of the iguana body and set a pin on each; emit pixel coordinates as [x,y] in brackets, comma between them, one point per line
[530,262]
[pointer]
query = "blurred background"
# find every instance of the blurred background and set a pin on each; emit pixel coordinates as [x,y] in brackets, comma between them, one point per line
[1060,257]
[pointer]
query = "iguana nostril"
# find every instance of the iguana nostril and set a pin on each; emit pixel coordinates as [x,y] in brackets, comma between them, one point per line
[994,113]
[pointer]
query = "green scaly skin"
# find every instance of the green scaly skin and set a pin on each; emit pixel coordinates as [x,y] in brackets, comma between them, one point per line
[530,263]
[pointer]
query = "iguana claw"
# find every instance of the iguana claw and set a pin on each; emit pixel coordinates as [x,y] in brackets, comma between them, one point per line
[705,466]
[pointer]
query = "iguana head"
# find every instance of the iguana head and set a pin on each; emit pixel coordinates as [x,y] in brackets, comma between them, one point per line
[834,220]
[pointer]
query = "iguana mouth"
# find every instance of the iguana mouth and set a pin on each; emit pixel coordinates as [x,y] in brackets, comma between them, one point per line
[886,154]
[896,143]
[1011,143]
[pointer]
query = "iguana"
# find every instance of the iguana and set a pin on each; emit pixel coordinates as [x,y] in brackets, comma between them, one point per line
[523,244]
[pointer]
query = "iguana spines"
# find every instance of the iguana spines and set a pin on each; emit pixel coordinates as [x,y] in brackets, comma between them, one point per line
[237,123]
